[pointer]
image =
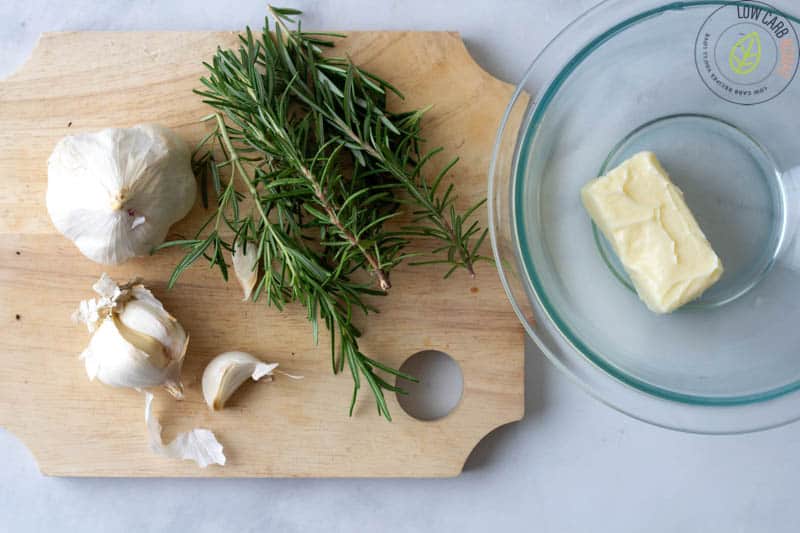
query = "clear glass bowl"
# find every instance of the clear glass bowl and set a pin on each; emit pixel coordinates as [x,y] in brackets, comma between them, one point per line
[710,87]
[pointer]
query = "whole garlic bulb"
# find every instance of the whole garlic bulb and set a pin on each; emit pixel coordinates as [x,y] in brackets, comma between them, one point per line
[116,192]
[135,343]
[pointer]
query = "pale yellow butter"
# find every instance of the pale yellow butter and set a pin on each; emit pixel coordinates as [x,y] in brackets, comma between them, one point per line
[644,217]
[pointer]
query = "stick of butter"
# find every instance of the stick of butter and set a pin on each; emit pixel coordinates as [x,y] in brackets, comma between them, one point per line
[643,214]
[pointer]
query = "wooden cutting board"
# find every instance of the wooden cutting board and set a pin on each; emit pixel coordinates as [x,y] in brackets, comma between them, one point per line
[86,81]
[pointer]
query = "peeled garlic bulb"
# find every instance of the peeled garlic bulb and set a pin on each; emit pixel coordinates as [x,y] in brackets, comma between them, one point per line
[116,192]
[226,373]
[135,343]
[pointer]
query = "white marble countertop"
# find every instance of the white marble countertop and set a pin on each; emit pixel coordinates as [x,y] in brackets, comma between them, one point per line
[572,465]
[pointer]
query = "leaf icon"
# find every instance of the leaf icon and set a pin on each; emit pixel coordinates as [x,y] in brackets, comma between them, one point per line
[745,56]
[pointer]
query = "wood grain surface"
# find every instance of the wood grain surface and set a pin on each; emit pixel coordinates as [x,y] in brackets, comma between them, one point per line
[86,81]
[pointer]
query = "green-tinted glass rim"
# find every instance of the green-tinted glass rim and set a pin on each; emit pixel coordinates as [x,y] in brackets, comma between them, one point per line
[538,287]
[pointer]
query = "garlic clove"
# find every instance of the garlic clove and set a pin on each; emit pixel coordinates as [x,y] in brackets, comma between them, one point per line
[155,352]
[198,445]
[227,372]
[245,265]
[144,317]
[172,381]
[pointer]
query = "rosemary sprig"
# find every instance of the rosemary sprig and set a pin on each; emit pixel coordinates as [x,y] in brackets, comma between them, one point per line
[322,168]
[392,145]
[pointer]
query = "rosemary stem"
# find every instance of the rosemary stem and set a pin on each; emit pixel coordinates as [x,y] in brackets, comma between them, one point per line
[237,164]
[319,192]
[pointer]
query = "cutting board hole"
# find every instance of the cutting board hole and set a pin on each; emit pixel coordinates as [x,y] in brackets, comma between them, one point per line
[440,386]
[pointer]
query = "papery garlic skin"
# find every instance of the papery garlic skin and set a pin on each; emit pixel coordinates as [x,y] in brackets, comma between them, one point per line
[227,372]
[199,445]
[116,192]
[136,342]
